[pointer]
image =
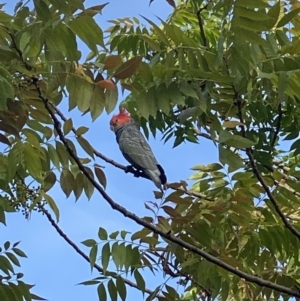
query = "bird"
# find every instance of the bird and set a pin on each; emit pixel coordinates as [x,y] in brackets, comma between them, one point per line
[136,149]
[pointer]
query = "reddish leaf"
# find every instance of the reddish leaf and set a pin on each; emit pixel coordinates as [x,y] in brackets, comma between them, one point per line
[172,3]
[128,68]
[106,84]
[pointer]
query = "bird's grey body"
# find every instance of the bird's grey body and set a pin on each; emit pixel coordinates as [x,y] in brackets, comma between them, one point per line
[138,153]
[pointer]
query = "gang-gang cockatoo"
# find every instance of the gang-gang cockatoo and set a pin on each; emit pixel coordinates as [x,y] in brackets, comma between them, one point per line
[136,149]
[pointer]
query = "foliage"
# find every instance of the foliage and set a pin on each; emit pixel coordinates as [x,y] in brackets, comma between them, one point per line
[227,71]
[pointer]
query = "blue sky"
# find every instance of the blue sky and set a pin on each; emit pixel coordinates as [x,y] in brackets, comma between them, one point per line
[52,264]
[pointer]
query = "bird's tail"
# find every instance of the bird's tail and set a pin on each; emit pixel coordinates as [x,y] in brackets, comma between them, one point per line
[158,177]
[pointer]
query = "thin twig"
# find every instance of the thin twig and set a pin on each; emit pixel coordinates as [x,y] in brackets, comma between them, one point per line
[142,222]
[259,176]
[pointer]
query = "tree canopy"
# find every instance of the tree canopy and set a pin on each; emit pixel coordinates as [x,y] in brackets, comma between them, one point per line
[227,71]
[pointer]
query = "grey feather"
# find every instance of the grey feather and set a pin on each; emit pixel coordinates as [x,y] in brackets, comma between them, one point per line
[137,151]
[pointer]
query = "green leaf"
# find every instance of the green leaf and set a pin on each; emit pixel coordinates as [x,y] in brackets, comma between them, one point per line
[2,216]
[16,291]
[105,256]
[112,290]
[111,99]
[87,185]
[114,235]
[162,98]
[102,234]
[101,292]
[62,154]
[234,140]
[161,35]
[123,234]
[86,146]
[42,10]
[81,130]
[52,205]
[53,155]
[67,127]
[226,156]
[150,41]
[19,252]
[4,17]
[32,160]
[93,255]
[24,288]
[67,39]
[13,259]
[88,31]
[145,103]
[100,175]
[5,265]
[36,297]
[90,282]
[121,288]
[6,88]
[209,167]
[288,17]
[49,181]
[188,90]
[6,293]
[79,185]
[6,245]
[67,182]
[97,102]
[175,95]
[89,242]
[139,280]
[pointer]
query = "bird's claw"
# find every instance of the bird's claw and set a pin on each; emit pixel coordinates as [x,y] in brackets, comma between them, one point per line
[129,168]
[132,170]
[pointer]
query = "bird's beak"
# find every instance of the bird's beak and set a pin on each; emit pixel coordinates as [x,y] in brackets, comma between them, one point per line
[112,127]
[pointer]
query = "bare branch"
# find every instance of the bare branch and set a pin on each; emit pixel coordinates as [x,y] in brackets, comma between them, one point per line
[142,222]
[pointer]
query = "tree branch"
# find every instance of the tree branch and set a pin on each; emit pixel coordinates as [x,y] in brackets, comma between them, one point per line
[200,23]
[256,172]
[142,222]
